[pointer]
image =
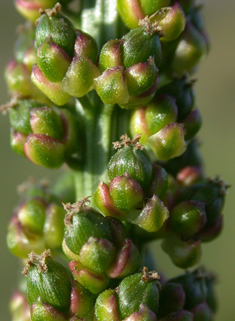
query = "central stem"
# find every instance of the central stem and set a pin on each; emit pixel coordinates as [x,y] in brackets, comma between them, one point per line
[103,124]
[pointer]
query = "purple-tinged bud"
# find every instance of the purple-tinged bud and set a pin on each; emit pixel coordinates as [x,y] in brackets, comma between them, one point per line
[111,55]
[30,8]
[97,254]
[168,142]
[52,60]
[82,301]
[44,311]
[81,222]
[53,90]
[144,314]
[106,306]
[180,315]
[126,193]
[153,215]
[104,202]
[137,289]
[60,29]
[31,215]
[194,286]
[185,4]
[202,312]
[53,230]
[118,231]
[171,299]
[192,123]
[46,121]
[44,150]
[17,141]
[190,175]
[131,157]
[141,77]
[48,280]
[140,44]
[85,45]
[183,254]
[190,50]
[79,78]
[172,21]
[111,86]
[127,261]
[19,307]
[188,218]
[159,183]
[211,232]
[133,11]
[21,244]
[95,282]
[30,58]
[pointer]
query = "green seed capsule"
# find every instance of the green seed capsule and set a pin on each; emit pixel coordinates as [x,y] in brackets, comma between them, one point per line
[131,158]
[48,280]
[17,141]
[44,311]
[106,306]
[138,289]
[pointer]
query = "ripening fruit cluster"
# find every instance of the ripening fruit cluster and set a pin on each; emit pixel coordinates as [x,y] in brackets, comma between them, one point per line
[64,82]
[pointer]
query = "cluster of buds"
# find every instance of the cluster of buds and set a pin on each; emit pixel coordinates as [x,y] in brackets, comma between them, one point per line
[37,223]
[144,194]
[47,137]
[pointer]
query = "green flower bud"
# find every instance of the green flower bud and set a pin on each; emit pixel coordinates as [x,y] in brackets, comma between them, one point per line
[30,8]
[106,306]
[140,44]
[21,244]
[182,89]
[52,60]
[97,254]
[44,150]
[180,315]
[95,282]
[171,299]
[211,232]
[53,90]
[127,261]
[44,311]
[31,215]
[26,35]
[111,54]
[111,86]
[30,58]
[54,226]
[131,157]
[153,215]
[168,142]
[19,308]
[81,222]
[82,301]
[85,45]
[172,21]
[144,314]
[104,202]
[188,218]
[45,120]
[159,183]
[190,50]
[190,175]
[60,30]
[141,77]
[48,280]
[202,312]
[17,141]
[138,289]
[192,123]
[126,193]
[194,286]
[132,11]
[79,78]
[183,254]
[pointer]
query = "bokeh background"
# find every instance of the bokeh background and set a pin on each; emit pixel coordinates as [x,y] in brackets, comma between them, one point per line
[216,100]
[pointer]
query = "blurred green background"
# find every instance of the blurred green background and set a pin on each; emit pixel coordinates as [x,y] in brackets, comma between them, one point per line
[216,100]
